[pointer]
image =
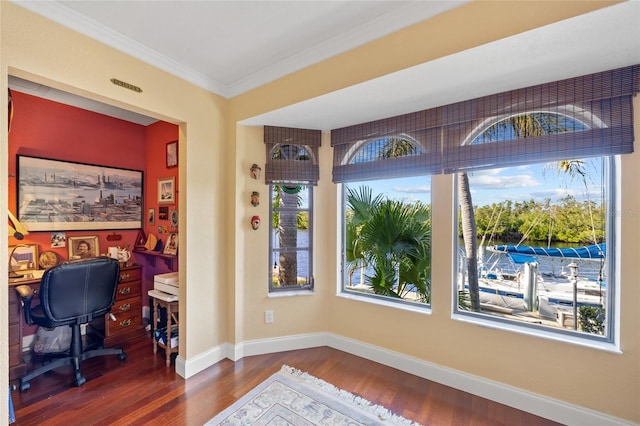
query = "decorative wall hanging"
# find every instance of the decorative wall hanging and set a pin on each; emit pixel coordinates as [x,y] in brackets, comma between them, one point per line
[48,259]
[255,222]
[172,154]
[151,216]
[83,196]
[141,240]
[255,171]
[255,198]
[167,190]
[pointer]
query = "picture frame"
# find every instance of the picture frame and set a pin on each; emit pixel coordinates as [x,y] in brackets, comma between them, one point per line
[151,216]
[23,257]
[172,154]
[84,247]
[56,195]
[163,213]
[172,244]
[167,190]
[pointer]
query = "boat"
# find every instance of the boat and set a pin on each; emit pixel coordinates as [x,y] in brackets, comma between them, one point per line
[542,279]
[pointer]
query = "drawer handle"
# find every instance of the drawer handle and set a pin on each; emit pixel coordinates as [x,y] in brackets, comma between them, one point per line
[125,290]
[125,323]
[125,307]
[124,276]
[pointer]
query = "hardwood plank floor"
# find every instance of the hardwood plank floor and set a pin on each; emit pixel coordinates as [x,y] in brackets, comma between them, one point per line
[141,390]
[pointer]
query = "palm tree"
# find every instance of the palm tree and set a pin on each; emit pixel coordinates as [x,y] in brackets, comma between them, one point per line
[360,204]
[470,238]
[393,239]
[286,221]
[288,238]
[397,147]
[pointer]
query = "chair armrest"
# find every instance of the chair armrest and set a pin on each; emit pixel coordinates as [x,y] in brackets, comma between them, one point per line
[26,296]
[25,292]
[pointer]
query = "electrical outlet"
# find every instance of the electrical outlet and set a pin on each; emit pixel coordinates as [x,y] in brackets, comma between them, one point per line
[268,317]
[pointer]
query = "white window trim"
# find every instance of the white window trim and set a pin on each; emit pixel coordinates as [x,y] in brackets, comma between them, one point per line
[614,181]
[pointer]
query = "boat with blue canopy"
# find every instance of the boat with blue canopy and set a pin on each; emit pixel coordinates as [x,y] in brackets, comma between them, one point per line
[594,251]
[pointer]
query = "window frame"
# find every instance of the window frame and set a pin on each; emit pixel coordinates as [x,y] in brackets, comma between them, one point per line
[310,285]
[370,297]
[611,341]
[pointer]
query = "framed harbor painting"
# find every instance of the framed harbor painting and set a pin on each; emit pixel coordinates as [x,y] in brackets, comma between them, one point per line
[55,195]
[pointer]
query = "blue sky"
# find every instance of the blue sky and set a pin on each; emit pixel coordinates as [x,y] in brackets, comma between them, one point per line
[537,182]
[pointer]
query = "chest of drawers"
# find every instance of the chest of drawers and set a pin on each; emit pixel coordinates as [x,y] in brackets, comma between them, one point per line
[127,309]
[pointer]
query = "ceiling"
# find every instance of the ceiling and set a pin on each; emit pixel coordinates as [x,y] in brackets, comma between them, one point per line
[230,47]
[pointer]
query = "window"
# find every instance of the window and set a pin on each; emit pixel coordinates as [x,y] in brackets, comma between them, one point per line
[578,126]
[538,233]
[291,237]
[291,172]
[387,223]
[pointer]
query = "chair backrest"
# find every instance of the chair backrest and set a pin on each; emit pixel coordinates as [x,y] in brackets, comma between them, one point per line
[79,290]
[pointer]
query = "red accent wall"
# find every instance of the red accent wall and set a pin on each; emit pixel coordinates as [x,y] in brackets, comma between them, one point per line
[158,136]
[48,129]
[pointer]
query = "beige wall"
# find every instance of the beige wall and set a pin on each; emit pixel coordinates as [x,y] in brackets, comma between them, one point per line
[226,292]
[602,381]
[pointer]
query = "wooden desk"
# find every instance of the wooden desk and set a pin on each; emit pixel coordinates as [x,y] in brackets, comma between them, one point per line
[127,310]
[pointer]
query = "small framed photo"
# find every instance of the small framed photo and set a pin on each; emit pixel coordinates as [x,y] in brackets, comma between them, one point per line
[172,244]
[151,216]
[172,154]
[83,247]
[167,190]
[23,257]
[163,213]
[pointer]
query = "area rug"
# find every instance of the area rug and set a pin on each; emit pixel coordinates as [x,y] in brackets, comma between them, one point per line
[292,397]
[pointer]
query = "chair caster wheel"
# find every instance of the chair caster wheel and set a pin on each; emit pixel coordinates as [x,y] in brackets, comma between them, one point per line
[122,356]
[80,380]
[25,386]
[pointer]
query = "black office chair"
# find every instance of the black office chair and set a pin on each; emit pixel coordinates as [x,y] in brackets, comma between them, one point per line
[71,294]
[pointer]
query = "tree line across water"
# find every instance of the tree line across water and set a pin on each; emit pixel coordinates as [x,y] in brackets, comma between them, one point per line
[568,221]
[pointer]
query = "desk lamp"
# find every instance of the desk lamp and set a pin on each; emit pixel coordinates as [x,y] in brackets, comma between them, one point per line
[16,230]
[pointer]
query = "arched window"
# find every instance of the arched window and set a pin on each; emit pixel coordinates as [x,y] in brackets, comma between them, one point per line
[291,172]
[533,250]
[387,240]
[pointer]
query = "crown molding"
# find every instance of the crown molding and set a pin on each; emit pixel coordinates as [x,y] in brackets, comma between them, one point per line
[69,18]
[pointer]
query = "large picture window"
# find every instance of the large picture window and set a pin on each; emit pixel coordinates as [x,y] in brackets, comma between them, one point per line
[541,237]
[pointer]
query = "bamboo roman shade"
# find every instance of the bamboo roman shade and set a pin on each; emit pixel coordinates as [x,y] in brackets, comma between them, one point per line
[292,155]
[448,136]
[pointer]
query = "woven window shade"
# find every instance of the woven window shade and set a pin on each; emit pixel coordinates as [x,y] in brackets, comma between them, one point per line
[292,155]
[601,103]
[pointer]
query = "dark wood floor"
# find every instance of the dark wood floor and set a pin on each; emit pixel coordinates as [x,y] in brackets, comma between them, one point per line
[142,390]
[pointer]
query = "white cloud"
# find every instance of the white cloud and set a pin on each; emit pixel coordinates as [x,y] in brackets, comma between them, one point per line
[413,189]
[495,181]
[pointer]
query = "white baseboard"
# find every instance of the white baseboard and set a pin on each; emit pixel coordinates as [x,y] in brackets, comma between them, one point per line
[540,405]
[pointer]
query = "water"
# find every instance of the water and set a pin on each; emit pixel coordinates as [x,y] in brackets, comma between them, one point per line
[587,269]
